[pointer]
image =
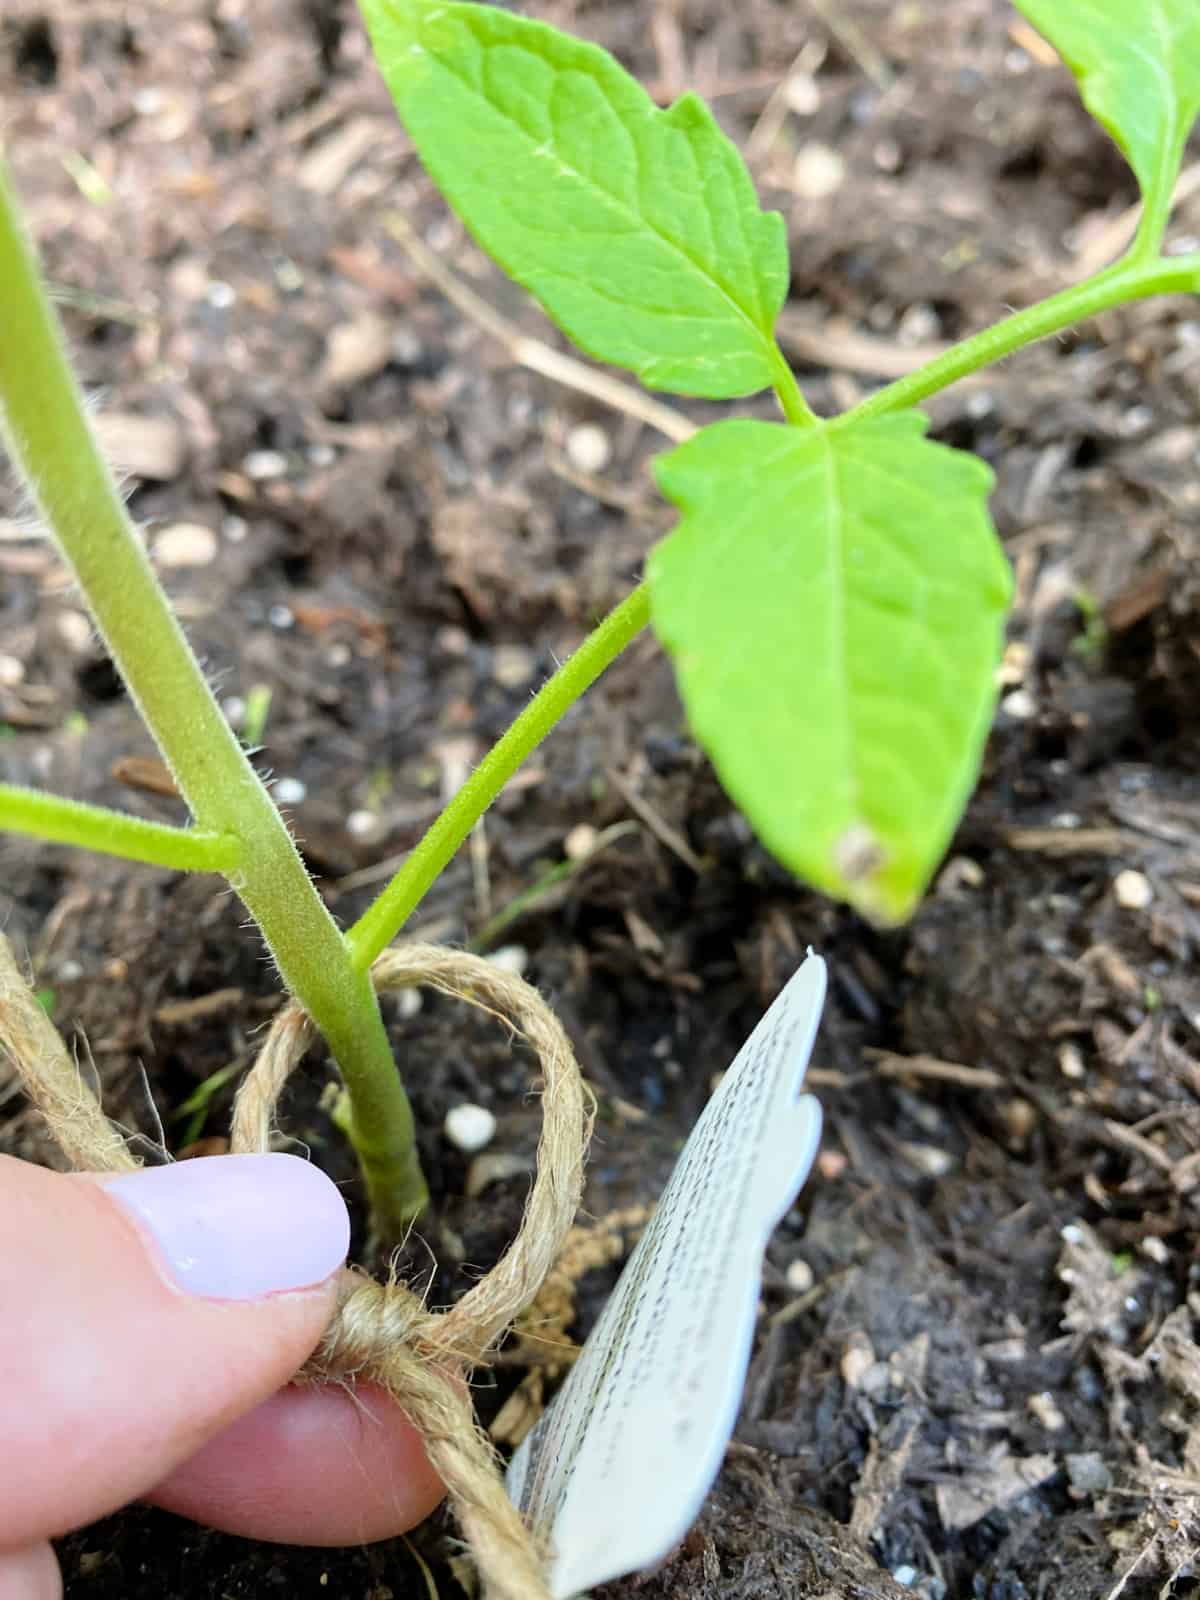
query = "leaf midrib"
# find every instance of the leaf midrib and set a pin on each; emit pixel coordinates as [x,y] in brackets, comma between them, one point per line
[833,495]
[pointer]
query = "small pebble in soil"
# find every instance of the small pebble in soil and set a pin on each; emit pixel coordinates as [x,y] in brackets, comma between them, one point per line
[356,350]
[928,1159]
[980,405]
[832,1164]
[1070,1060]
[75,631]
[452,640]
[818,171]
[512,958]
[1019,705]
[408,1003]
[918,324]
[960,872]
[1020,1118]
[1136,420]
[235,710]
[290,791]
[512,665]
[802,94]
[580,842]
[1015,664]
[1044,1409]
[185,544]
[588,448]
[1155,1249]
[12,672]
[280,617]
[362,824]
[858,1358]
[1132,890]
[469,1127]
[799,1277]
[261,465]
[288,276]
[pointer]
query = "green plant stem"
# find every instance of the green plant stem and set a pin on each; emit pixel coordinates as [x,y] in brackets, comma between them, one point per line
[382,920]
[787,391]
[49,816]
[1152,226]
[50,440]
[1157,203]
[1127,280]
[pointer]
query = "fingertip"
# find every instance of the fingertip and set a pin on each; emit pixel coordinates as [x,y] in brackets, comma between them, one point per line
[238,1227]
[313,1465]
[30,1574]
[113,1373]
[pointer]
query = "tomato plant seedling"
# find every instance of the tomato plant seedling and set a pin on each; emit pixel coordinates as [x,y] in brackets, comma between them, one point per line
[833,596]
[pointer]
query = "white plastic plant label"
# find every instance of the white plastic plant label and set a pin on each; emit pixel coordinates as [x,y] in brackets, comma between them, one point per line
[616,1471]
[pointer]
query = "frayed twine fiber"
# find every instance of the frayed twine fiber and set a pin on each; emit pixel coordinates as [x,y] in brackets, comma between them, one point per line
[383,1332]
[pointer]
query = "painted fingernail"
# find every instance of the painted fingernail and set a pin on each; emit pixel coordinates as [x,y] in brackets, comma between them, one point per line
[239,1227]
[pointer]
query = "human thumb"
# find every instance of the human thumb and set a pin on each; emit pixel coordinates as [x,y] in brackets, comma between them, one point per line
[141,1313]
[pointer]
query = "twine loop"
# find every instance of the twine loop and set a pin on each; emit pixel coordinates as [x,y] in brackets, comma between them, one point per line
[383,1332]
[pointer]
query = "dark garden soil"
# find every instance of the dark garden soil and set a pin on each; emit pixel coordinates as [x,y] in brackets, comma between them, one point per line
[976,1375]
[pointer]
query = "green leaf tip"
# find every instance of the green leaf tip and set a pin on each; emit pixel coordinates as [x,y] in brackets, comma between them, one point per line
[1138,67]
[834,601]
[637,229]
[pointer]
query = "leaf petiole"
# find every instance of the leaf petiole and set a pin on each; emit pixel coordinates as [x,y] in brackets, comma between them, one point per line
[113,833]
[1129,279]
[388,913]
[787,391]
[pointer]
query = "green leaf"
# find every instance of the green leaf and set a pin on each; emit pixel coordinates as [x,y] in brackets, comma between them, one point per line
[1138,66]
[834,601]
[638,230]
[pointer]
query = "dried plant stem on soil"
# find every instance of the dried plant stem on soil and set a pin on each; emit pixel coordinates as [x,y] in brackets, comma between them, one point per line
[383,1332]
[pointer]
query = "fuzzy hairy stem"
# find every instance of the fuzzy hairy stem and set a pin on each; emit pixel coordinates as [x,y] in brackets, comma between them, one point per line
[1130,279]
[49,816]
[383,919]
[46,429]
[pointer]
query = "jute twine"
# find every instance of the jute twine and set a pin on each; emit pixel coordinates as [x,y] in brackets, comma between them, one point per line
[382,1332]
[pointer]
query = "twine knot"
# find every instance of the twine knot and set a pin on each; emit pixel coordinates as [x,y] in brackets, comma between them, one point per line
[383,1332]
[372,1321]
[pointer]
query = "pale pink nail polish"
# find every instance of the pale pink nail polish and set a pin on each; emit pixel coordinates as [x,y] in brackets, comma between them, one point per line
[239,1227]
